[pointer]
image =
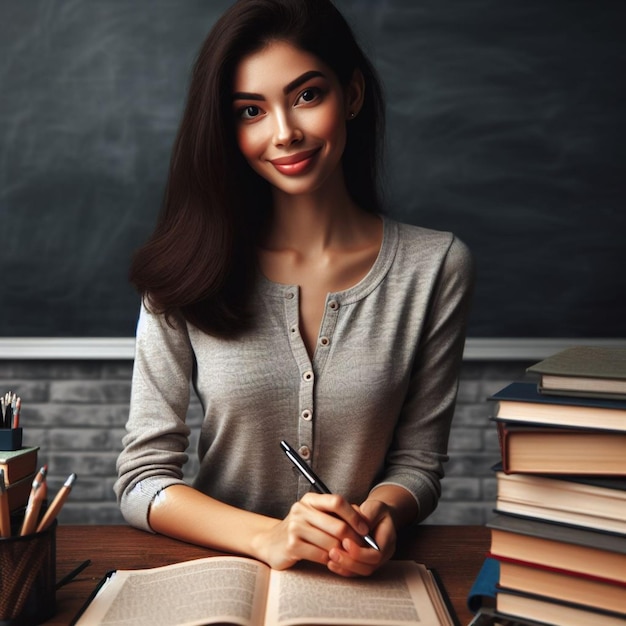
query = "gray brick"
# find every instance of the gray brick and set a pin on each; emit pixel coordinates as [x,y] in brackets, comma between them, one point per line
[465,439]
[469,392]
[36,437]
[463,464]
[117,370]
[76,415]
[90,513]
[474,415]
[489,489]
[86,488]
[51,369]
[84,464]
[29,390]
[90,392]
[85,439]
[454,489]
[458,513]
[490,438]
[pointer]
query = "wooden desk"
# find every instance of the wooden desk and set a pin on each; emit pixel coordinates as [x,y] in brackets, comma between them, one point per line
[456,552]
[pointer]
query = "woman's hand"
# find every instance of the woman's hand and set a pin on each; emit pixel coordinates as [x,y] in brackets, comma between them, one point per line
[316,526]
[355,558]
[388,508]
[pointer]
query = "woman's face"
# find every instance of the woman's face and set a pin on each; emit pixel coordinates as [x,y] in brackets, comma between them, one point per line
[290,117]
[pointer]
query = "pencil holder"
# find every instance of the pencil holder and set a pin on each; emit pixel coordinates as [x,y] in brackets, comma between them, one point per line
[28,578]
[10,438]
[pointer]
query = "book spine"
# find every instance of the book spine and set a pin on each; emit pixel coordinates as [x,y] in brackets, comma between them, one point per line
[503,441]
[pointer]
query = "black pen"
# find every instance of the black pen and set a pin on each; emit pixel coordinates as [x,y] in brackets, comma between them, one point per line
[315,481]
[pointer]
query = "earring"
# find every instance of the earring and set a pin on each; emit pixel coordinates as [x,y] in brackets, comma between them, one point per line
[352,115]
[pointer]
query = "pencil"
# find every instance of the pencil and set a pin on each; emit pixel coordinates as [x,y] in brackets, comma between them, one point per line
[38,494]
[57,503]
[5,513]
[16,414]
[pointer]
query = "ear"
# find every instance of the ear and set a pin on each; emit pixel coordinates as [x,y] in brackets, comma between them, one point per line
[354,94]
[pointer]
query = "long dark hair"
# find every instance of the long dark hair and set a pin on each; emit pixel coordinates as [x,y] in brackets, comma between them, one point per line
[200,260]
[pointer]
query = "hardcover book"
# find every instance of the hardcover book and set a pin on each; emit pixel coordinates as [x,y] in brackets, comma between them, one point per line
[553,545]
[553,450]
[591,591]
[18,464]
[522,402]
[588,502]
[584,370]
[236,590]
[19,492]
[554,613]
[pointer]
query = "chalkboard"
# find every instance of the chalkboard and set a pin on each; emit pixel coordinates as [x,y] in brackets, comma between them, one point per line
[506,125]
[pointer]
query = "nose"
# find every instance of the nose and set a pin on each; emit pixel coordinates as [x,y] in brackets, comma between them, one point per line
[286,131]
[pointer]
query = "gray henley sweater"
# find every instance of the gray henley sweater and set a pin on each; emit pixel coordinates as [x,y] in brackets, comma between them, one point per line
[373,406]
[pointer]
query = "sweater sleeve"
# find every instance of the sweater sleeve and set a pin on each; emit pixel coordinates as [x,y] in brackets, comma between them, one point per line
[419,448]
[157,437]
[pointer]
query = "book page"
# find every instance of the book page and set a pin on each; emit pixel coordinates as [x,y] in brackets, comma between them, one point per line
[204,591]
[396,595]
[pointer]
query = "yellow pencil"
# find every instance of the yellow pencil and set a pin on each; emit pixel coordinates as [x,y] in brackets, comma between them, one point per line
[5,513]
[57,503]
[38,494]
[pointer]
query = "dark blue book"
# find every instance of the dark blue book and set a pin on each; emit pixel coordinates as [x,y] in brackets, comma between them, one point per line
[521,402]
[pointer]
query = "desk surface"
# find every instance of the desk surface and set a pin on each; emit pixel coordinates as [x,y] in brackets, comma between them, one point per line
[456,552]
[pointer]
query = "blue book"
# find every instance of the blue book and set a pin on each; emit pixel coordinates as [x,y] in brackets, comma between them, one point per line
[482,595]
[522,402]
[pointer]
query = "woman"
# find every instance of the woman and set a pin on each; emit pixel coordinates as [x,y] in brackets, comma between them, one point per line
[274,285]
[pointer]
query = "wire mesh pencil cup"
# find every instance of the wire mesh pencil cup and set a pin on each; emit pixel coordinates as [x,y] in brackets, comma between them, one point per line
[28,578]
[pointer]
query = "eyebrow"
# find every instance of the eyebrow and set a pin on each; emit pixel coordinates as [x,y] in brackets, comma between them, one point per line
[288,88]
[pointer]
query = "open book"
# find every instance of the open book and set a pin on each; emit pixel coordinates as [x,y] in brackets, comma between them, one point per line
[235,590]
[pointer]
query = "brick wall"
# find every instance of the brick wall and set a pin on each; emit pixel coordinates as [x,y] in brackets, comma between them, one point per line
[76,411]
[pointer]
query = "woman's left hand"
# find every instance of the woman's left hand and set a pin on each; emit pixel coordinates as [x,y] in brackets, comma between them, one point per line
[353,559]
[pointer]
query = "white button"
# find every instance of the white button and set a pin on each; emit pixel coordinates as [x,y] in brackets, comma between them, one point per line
[308,376]
[333,304]
[306,415]
[289,295]
[324,341]
[304,452]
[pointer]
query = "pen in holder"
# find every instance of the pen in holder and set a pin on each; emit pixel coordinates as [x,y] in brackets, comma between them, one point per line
[27,588]
[10,438]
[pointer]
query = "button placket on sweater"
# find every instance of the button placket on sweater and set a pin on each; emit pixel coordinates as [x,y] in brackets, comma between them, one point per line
[304,443]
[308,371]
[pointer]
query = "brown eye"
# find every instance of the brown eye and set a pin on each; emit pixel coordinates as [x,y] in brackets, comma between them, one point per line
[309,95]
[249,112]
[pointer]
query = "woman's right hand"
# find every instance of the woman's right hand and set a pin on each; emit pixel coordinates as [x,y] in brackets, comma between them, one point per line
[313,527]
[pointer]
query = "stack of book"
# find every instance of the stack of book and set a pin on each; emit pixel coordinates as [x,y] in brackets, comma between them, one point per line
[559,533]
[19,467]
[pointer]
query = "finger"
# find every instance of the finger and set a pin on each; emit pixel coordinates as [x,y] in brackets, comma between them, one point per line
[311,533]
[343,562]
[373,512]
[338,506]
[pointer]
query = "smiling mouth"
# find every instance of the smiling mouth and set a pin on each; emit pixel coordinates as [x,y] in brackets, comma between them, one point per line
[295,163]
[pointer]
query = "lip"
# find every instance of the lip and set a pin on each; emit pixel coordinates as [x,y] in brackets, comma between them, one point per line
[295,163]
